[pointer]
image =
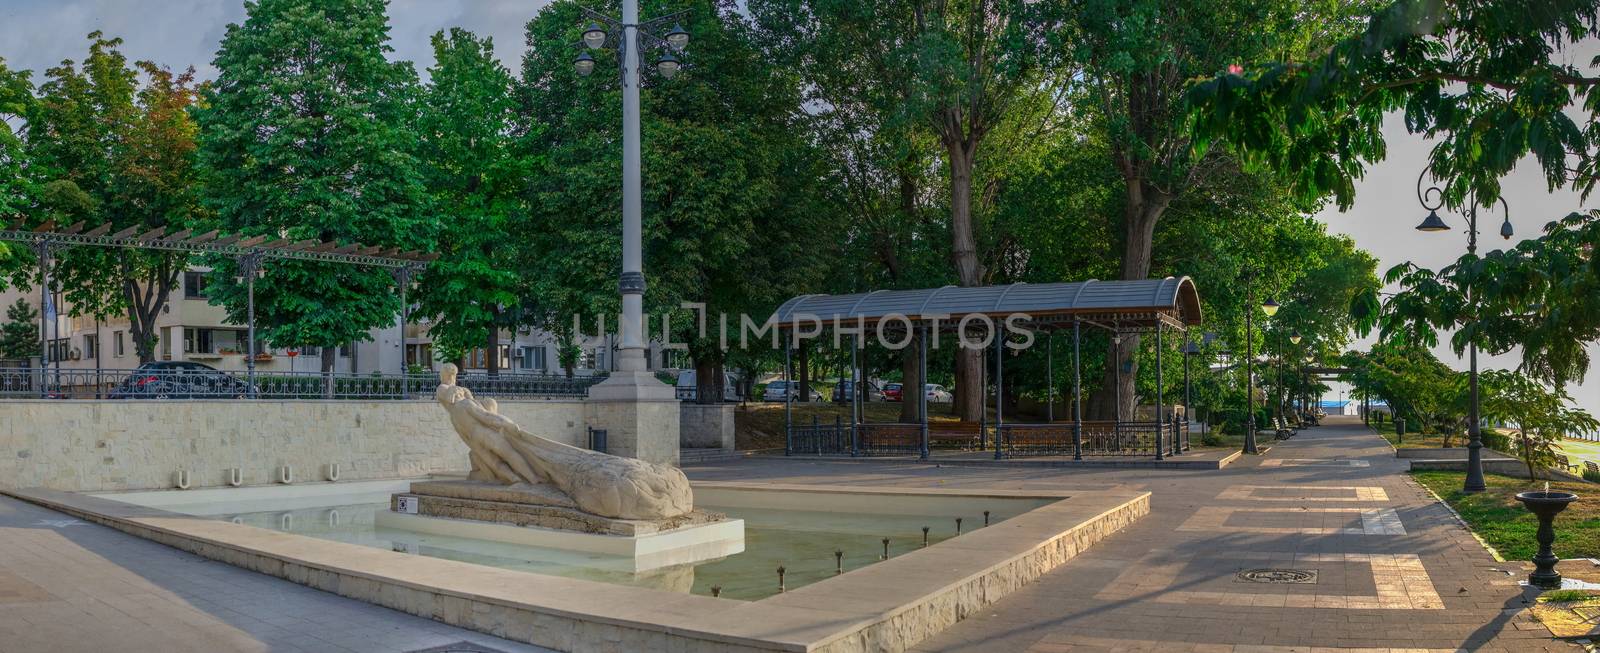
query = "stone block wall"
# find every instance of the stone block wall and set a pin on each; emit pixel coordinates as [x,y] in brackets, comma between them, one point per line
[135,445]
[705,426]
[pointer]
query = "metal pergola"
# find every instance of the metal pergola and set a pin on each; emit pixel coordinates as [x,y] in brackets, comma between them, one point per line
[1120,308]
[249,252]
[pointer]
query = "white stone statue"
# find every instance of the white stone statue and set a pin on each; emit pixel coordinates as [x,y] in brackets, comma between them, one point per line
[599,483]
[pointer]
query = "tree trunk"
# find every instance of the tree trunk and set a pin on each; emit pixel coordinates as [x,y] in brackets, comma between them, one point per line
[1144,208]
[909,404]
[707,380]
[969,272]
[330,355]
[492,366]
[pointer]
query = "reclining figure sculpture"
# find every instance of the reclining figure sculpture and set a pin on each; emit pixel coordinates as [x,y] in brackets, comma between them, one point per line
[599,483]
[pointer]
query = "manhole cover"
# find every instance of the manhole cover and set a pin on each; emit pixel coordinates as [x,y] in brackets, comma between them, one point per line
[1291,576]
[460,647]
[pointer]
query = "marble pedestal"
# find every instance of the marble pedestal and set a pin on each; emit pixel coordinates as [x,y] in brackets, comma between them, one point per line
[639,414]
[541,516]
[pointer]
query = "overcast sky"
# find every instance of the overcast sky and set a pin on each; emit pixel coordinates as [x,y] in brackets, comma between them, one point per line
[37,34]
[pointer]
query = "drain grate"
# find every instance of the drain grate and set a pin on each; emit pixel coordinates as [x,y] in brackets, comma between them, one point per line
[1283,576]
[459,647]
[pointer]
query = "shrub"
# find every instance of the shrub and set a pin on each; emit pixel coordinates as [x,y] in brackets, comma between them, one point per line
[1591,476]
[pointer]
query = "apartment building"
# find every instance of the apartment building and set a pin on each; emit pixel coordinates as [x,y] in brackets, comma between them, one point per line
[191,328]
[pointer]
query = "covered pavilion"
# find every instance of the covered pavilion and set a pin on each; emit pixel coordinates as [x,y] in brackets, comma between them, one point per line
[975,315]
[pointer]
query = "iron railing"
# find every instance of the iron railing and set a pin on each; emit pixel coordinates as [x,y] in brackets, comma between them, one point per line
[1099,438]
[168,384]
[820,439]
[889,439]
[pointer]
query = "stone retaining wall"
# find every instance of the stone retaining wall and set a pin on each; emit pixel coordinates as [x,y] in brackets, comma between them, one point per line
[85,445]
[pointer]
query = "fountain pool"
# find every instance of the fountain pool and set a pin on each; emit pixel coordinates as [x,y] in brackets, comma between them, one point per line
[795,530]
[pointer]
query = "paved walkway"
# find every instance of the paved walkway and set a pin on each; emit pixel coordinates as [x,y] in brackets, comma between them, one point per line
[68,586]
[1380,565]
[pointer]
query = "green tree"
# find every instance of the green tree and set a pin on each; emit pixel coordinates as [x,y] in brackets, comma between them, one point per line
[1542,415]
[729,207]
[19,336]
[16,101]
[952,70]
[470,163]
[112,152]
[308,133]
[1138,58]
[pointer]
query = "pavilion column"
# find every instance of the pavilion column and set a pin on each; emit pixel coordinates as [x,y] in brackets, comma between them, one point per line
[1077,392]
[857,390]
[788,399]
[1161,419]
[922,386]
[1050,377]
[999,392]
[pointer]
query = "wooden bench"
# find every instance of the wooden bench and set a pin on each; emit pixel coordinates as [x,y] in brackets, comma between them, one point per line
[1565,464]
[957,435]
[1590,466]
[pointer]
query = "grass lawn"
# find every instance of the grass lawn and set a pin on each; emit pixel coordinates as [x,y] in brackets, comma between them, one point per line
[1498,518]
[1580,449]
[1419,440]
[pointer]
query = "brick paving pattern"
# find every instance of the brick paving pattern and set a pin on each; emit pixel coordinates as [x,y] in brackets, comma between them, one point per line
[1407,578]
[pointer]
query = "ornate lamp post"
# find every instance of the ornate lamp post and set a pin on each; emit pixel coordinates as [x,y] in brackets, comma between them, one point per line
[1269,307]
[1474,481]
[630,37]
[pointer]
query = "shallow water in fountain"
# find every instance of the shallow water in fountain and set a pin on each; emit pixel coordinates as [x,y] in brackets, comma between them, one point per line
[803,542]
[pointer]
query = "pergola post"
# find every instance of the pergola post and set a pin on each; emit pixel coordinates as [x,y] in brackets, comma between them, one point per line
[41,250]
[1160,417]
[249,264]
[1077,392]
[788,397]
[999,392]
[922,386]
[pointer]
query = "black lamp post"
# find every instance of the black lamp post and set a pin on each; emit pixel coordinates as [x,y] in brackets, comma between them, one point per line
[1474,481]
[1269,307]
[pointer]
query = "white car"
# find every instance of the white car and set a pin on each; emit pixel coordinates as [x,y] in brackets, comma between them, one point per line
[938,395]
[778,391]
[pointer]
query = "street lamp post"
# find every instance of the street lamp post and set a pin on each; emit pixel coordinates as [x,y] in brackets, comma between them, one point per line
[1474,481]
[628,36]
[1269,307]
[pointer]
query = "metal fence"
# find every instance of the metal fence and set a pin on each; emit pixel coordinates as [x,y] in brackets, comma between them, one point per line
[1098,438]
[819,438]
[168,384]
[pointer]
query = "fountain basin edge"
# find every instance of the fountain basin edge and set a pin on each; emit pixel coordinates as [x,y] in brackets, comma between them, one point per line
[888,606]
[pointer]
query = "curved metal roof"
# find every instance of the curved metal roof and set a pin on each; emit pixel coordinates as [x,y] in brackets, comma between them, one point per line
[1144,302]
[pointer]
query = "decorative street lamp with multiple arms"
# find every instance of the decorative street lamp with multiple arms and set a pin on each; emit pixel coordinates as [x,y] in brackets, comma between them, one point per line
[1474,481]
[630,37]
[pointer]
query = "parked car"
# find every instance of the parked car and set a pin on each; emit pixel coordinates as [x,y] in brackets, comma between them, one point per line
[938,395]
[687,388]
[842,392]
[892,392]
[778,391]
[180,380]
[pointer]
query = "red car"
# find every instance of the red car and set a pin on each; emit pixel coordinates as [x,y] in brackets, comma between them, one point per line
[891,392]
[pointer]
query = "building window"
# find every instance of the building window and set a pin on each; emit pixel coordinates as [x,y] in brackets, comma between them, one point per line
[194,285]
[91,346]
[533,358]
[119,344]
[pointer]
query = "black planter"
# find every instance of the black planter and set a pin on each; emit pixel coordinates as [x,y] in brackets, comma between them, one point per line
[1546,505]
